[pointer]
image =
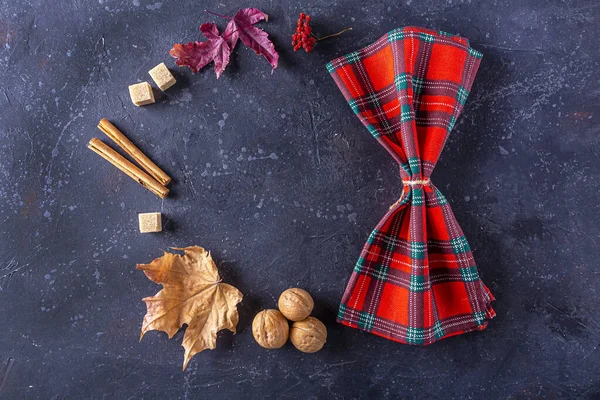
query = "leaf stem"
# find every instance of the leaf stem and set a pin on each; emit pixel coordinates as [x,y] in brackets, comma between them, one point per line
[332,35]
[218,15]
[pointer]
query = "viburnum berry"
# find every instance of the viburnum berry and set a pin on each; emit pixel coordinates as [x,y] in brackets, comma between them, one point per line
[303,38]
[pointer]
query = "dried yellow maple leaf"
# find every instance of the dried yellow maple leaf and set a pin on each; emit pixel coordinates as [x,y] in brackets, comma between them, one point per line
[192,294]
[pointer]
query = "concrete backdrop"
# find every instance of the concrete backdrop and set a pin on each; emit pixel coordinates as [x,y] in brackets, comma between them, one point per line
[276,176]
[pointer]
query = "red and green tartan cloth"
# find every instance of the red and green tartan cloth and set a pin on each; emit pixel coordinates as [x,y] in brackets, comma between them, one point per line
[415,281]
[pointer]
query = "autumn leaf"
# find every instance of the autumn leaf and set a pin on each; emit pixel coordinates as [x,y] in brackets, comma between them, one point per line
[245,17]
[241,26]
[218,48]
[197,55]
[192,294]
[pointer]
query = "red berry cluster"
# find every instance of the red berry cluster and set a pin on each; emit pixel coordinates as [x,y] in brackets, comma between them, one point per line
[303,37]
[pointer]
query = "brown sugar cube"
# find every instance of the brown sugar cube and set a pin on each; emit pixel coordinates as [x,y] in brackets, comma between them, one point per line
[150,222]
[162,76]
[141,94]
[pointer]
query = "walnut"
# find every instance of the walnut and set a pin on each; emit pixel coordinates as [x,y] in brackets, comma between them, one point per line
[270,329]
[308,335]
[295,304]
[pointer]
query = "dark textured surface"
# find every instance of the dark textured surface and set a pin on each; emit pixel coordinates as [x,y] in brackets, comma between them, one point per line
[277,177]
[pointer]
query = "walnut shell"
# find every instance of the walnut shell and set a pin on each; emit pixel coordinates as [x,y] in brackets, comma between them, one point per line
[270,329]
[308,335]
[295,304]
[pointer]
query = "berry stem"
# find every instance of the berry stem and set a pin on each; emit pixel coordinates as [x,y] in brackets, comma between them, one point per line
[218,15]
[332,35]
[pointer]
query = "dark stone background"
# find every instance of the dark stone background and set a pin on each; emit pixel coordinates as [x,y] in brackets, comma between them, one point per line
[277,177]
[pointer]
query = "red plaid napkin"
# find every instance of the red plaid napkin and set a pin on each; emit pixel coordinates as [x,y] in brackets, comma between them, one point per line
[415,281]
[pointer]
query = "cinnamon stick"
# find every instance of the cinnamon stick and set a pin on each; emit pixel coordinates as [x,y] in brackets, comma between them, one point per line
[127,167]
[123,142]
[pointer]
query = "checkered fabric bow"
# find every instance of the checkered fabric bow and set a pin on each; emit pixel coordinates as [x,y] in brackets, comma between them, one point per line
[415,281]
